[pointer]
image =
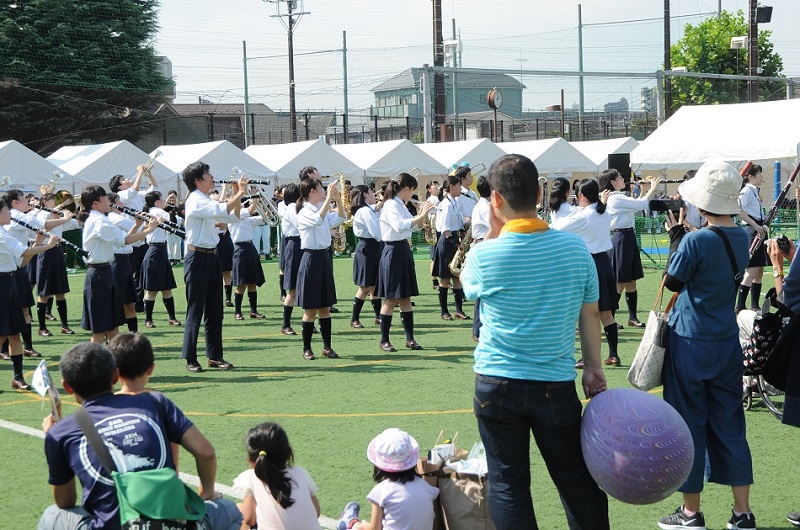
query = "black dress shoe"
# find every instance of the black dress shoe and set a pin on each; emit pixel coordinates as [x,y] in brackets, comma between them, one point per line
[288,331]
[257,315]
[329,353]
[67,331]
[308,355]
[414,345]
[5,356]
[460,315]
[149,324]
[220,364]
[228,303]
[387,346]
[377,321]
[612,361]
[31,353]
[194,367]
[45,333]
[174,322]
[49,317]
[620,326]
[238,316]
[18,384]
[333,309]
[356,324]
[447,316]
[579,365]
[636,323]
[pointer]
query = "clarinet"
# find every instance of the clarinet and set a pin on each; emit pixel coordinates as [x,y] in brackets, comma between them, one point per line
[45,233]
[774,210]
[146,217]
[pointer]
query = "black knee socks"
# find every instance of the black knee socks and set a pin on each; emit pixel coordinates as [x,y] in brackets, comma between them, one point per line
[287,316]
[458,295]
[149,305]
[358,303]
[376,306]
[61,305]
[386,325]
[742,298]
[632,299]
[133,324]
[612,336]
[50,305]
[252,297]
[228,291]
[26,337]
[325,331]
[169,304]
[280,284]
[443,299]
[237,302]
[41,311]
[407,319]
[308,330]
[755,296]
[16,363]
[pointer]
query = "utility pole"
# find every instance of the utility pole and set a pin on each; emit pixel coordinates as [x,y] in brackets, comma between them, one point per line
[439,101]
[752,53]
[580,62]
[667,64]
[246,95]
[292,19]
[345,118]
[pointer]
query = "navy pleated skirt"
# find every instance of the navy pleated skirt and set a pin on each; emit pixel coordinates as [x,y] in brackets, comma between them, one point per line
[315,287]
[32,270]
[102,303]
[292,254]
[759,258]
[445,250]
[397,277]
[609,300]
[156,269]
[52,273]
[24,287]
[225,251]
[366,262]
[123,278]
[247,265]
[624,254]
[11,319]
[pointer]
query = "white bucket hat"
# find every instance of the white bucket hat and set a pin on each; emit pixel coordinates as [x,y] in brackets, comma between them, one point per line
[393,450]
[714,189]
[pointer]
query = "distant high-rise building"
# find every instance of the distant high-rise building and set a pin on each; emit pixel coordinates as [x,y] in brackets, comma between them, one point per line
[617,106]
[648,100]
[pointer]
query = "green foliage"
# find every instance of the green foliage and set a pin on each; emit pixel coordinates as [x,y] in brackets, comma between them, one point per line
[706,48]
[78,70]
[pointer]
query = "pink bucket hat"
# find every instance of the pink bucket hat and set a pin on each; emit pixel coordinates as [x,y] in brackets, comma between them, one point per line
[393,450]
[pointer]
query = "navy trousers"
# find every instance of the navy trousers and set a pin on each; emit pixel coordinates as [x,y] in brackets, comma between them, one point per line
[203,275]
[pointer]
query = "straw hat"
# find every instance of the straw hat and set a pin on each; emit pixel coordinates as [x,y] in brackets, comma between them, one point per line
[393,450]
[714,189]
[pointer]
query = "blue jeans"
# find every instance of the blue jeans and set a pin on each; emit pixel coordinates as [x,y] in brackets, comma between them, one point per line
[221,514]
[508,411]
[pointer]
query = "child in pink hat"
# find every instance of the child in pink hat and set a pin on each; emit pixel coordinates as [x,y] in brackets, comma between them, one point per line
[400,500]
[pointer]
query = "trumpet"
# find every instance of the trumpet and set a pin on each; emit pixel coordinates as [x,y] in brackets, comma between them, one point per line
[45,233]
[150,163]
[146,217]
[428,224]
[265,208]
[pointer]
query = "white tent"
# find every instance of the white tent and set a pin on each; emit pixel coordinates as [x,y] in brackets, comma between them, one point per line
[221,156]
[481,150]
[389,159]
[761,132]
[289,159]
[27,170]
[554,157]
[598,150]
[96,164]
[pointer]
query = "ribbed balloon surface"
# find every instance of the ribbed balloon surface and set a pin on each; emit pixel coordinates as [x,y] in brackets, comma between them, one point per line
[637,447]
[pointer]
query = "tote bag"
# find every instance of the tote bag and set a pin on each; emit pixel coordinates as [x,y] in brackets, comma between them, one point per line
[645,370]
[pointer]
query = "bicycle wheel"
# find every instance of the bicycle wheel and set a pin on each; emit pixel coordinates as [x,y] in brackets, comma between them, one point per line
[771,396]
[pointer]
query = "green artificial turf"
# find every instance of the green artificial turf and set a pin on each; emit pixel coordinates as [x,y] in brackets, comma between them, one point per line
[331,409]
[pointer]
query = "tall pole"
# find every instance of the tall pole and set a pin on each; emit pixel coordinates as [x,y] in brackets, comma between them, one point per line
[580,62]
[345,118]
[292,106]
[455,86]
[752,53]
[246,95]
[439,101]
[667,64]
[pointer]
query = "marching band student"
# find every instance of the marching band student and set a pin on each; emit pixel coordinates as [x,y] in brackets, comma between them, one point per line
[51,272]
[247,271]
[480,227]
[752,217]
[624,254]
[316,291]
[225,252]
[122,266]
[202,270]
[367,256]
[13,255]
[156,269]
[281,205]
[102,298]
[397,279]
[559,202]
[468,198]
[21,210]
[174,242]
[291,254]
[590,222]
[449,223]
[432,192]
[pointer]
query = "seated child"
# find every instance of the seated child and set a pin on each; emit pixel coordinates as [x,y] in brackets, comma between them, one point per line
[277,495]
[401,500]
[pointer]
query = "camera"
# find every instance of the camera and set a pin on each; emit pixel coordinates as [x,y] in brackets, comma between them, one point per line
[662,205]
[783,243]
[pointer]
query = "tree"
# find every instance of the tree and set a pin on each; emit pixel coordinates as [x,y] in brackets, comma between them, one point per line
[706,48]
[78,70]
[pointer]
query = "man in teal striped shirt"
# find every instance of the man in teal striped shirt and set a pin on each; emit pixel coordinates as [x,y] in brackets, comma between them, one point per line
[535,284]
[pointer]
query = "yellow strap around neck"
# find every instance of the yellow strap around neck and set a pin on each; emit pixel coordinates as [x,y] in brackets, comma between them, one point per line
[525,226]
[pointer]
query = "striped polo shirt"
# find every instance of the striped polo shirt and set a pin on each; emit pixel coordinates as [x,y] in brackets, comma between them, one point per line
[532,286]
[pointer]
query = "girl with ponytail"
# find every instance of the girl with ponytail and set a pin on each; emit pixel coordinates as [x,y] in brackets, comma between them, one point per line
[275,493]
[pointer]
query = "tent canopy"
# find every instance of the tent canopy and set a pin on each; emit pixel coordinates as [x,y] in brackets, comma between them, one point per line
[554,155]
[389,159]
[477,151]
[27,169]
[598,150]
[735,133]
[96,164]
[221,156]
[289,159]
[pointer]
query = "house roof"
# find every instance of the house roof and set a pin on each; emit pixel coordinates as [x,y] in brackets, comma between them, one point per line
[204,109]
[410,78]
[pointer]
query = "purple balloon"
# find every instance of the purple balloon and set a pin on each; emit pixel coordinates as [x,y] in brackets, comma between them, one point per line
[637,447]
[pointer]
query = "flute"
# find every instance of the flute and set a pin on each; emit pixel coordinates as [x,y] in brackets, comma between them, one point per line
[45,233]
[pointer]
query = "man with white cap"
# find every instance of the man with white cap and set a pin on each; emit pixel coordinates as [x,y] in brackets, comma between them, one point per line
[703,364]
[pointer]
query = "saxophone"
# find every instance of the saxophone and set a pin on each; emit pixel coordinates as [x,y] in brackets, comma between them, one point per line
[457,263]
[428,224]
[339,235]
